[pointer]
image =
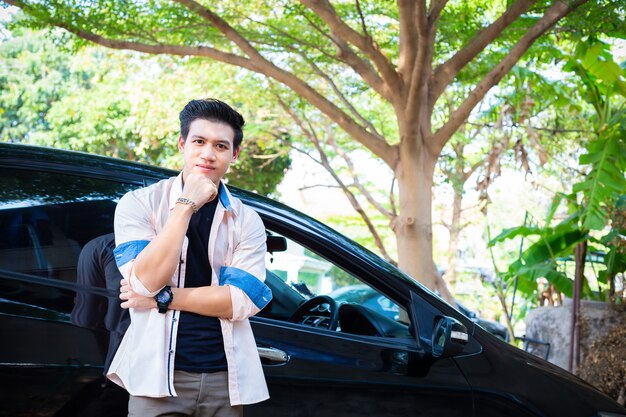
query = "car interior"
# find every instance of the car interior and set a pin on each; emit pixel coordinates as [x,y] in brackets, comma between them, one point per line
[302,298]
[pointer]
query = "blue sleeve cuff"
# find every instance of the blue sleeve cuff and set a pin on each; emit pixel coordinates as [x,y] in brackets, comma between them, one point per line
[258,292]
[128,251]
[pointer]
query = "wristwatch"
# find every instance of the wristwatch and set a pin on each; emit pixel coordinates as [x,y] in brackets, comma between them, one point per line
[164,298]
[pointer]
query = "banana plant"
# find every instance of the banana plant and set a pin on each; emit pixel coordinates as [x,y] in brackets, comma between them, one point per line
[597,203]
[540,259]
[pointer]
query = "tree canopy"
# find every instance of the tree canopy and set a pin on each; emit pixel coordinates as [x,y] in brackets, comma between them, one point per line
[105,102]
[353,60]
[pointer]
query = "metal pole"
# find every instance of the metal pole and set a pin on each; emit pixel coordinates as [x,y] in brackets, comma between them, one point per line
[574,346]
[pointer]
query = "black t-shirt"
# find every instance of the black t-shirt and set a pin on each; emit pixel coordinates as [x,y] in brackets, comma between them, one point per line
[199,343]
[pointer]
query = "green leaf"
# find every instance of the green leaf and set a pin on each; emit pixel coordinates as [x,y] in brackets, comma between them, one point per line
[556,202]
[528,276]
[551,246]
[561,282]
[605,181]
[514,232]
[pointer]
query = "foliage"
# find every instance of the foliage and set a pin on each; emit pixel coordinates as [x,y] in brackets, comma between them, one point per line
[113,103]
[593,198]
[352,61]
[33,75]
[603,80]
[266,161]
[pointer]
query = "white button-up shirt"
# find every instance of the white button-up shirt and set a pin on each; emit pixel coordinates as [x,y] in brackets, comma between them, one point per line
[144,362]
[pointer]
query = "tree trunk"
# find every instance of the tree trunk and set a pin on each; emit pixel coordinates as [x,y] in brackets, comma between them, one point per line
[453,243]
[413,226]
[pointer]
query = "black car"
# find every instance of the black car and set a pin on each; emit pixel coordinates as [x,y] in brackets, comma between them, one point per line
[321,358]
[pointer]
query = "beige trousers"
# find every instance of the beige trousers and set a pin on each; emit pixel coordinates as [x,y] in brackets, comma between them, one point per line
[199,395]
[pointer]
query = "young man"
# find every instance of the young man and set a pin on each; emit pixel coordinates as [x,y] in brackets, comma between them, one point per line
[193,259]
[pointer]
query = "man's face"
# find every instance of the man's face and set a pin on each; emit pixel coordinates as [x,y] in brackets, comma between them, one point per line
[208,149]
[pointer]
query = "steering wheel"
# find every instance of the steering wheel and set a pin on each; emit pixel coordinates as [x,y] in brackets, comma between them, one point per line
[319,311]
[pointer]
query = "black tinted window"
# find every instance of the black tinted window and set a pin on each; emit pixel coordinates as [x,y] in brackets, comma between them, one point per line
[46,219]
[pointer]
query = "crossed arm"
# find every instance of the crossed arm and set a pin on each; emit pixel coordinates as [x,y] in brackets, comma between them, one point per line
[212,301]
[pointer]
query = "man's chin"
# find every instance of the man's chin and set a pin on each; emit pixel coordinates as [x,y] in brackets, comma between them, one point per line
[210,174]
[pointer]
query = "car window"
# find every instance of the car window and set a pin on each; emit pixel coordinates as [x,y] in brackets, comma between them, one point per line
[46,218]
[312,275]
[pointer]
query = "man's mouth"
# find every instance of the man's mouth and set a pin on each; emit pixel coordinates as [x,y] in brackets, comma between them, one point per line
[205,168]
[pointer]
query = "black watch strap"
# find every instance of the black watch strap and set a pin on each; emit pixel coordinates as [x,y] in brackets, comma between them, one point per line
[164,298]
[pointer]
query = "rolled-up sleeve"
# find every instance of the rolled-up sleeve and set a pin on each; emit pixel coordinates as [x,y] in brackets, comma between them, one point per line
[134,230]
[246,273]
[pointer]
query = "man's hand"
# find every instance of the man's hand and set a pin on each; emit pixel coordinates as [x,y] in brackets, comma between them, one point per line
[134,300]
[199,189]
[213,301]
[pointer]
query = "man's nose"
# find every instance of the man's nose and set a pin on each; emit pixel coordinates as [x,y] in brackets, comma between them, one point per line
[208,152]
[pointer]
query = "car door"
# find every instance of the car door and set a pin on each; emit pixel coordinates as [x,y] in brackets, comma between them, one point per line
[314,371]
[53,321]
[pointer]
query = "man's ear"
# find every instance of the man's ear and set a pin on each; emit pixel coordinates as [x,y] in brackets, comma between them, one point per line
[181,144]
[236,153]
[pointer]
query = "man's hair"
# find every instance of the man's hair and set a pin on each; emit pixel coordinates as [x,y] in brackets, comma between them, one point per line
[213,110]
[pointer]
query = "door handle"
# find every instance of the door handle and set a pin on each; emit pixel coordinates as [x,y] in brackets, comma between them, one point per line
[273,354]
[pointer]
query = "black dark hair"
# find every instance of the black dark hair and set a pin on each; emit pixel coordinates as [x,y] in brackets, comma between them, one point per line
[213,110]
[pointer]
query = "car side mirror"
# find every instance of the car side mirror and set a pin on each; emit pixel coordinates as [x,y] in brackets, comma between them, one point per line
[449,337]
[276,244]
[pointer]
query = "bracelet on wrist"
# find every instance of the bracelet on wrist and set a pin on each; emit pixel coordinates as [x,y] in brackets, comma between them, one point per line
[187,202]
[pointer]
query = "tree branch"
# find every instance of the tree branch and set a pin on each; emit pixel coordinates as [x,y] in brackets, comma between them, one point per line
[346,55]
[408,37]
[160,49]
[436,6]
[357,183]
[363,26]
[546,129]
[392,199]
[365,44]
[417,97]
[473,169]
[308,187]
[305,153]
[445,73]
[362,67]
[555,12]
[295,39]
[375,143]
[310,133]
[341,97]
[421,17]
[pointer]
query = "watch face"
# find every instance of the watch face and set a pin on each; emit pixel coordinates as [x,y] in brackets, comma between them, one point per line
[163,297]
